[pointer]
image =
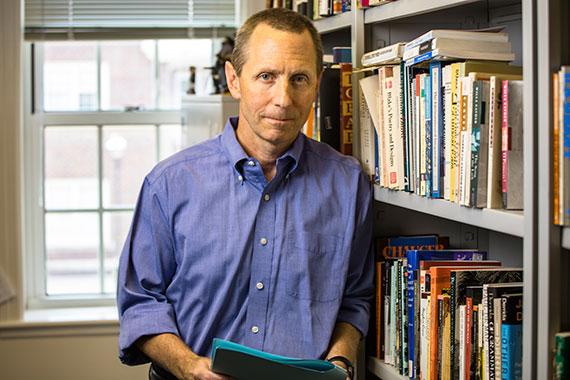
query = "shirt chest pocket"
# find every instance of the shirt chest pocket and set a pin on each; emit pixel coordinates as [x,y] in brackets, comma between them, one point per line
[314,265]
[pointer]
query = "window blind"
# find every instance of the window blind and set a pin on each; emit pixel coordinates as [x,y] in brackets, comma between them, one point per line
[97,19]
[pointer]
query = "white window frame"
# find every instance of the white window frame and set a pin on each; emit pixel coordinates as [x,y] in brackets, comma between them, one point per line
[32,198]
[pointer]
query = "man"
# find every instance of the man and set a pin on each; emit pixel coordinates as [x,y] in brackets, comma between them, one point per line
[260,236]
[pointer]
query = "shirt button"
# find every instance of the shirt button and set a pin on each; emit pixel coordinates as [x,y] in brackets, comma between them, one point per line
[251,163]
[255,329]
[266,197]
[259,286]
[240,178]
[263,241]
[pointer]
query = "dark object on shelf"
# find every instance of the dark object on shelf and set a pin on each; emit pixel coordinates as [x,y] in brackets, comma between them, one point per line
[218,70]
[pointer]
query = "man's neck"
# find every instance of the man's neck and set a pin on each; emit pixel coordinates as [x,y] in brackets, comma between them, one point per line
[263,151]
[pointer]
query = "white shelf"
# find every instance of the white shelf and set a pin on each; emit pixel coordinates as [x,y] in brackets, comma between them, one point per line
[383,370]
[407,8]
[332,23]
[566,237]
[508,222]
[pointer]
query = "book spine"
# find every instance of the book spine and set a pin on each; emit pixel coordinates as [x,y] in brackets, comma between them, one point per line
[454,135]
[565,100]
[475,142]
[485,332]
[463,139]
[455,325]
[401,131]
[458,371]
[483,153]
[562,357]
[423,137]
[511,337]
[474,360]
[393,316]
[555,150]
[497,327]
[346,108]
[417,135]
[436,107]
[490,352]
[468,336]
[412,325]
[424,336]
[378,313]
[440,318]
[505,138]
[447,131]
[404,328]
[429,135]
[366,137]
[390,123]
[405,96]
[387,313]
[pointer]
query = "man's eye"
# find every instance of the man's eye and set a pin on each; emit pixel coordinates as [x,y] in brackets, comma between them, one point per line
[300,79]
[265,76]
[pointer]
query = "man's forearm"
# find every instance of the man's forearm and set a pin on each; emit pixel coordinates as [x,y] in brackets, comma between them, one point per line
[169,352]
[345,342]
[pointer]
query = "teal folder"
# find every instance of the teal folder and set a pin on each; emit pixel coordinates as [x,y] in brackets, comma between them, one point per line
[244,363]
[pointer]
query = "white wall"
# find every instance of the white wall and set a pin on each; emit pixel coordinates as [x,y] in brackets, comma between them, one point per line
[65,358]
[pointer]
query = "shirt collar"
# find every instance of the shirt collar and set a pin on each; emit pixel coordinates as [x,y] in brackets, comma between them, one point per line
[237,155]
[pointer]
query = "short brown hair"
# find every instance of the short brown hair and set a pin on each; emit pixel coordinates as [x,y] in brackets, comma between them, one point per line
[281,19]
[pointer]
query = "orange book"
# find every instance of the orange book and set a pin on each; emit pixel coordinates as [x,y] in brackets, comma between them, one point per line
[555,150]
[346,108]
[439,280]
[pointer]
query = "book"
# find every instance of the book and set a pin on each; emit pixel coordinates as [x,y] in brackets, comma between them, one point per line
[465,277]
[473,295]
[440,279]
[366,133]
[458,34]
[492,292]
[241,362]
[454,54]
[346,123]
[512,145]
[398,246]
[414,258]
[557,220]
[455,44]
[342,54]
[564,148]
[479,144]
[511,336]
[329,113]
[562,356]
[384,56]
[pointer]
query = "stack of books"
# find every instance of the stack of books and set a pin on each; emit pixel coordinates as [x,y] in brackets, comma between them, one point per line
[446,121]
[443,314]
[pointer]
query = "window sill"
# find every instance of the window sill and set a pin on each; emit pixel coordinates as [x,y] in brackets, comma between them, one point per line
[90,321]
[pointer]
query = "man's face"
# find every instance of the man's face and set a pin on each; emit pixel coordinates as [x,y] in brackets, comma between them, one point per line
[277,85]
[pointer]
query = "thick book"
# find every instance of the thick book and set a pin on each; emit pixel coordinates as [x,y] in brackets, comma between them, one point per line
[456,44]
[241,363]
[511,336]
[398,246]
[384,56]
[512,145]
[459,35]
[329,94]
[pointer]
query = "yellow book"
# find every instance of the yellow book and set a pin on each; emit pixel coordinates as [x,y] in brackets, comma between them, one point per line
[454,131]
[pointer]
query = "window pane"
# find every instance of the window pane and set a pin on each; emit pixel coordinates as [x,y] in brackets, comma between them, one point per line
[170,140]
[129,153]
[115,229]
[72,251]
[127,74]
[70,76]
[70,167]
[175,58]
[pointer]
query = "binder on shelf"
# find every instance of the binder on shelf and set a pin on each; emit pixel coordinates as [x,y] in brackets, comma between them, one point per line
[241,363]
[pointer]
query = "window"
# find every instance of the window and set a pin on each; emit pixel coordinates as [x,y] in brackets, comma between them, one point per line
[106,113]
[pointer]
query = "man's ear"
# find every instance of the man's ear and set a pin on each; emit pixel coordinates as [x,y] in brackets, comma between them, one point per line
[233,80]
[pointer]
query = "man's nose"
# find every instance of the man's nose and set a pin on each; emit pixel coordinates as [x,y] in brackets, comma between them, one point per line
[282,96]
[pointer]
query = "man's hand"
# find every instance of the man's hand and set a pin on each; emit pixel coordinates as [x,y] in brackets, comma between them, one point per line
[172,354]
[199,369]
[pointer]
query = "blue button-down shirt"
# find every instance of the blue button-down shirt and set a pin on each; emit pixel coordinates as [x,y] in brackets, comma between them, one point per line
[215,250]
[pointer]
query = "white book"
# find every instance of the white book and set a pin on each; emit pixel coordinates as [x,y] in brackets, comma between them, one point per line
[382,73]
[366,137]
[400,132]
[424,334]
[416,127]
[386,55]
[465,142]
[454,44]
[494,196]
[423,136]
[435,131]
[462,311]
[458,34]
[369,87]
[454,54]
[447,134]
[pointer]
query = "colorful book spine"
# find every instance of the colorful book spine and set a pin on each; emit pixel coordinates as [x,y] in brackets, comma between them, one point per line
[565,102]
[346,108]
[475,141]
[429,135]
[511,337]
[437,130]
[555,150]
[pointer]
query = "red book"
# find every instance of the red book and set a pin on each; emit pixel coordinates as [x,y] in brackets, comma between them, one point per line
[505,138]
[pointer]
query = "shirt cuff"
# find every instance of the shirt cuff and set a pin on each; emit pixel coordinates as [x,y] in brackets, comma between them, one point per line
[143,320]
[357,313]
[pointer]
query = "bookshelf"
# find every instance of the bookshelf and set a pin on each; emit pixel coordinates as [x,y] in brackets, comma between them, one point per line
[507,222]
[565,238]
[539,32]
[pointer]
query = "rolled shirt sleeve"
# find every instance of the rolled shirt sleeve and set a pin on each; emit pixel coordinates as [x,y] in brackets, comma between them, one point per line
[146,266]
[359,289]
